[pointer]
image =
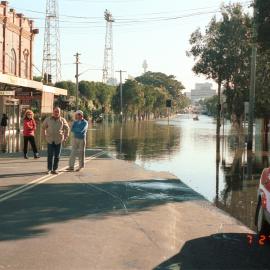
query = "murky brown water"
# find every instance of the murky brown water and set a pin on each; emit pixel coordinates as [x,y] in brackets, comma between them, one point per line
[187,149]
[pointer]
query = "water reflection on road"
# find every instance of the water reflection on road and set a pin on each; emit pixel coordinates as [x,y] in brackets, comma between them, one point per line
[187,149]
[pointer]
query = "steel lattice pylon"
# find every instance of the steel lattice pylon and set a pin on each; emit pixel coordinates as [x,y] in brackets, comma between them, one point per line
[108,67]
[51,50]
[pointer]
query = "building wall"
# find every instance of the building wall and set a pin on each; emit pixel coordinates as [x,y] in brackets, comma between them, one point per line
[202,91]
[16,42]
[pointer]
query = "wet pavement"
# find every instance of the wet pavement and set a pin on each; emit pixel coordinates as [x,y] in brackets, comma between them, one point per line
[115,215]
[187,149]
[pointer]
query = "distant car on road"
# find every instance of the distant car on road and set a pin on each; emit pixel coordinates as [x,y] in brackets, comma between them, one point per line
[262,218]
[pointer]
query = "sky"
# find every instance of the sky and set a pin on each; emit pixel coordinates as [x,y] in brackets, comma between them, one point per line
[155,30]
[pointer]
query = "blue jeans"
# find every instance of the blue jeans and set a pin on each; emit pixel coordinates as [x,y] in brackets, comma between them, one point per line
[54,151]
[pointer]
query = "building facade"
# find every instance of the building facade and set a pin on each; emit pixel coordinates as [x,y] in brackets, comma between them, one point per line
[18,90]
[17,34]
[202,91]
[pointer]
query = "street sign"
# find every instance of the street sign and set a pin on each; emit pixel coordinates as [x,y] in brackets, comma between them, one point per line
[7,93]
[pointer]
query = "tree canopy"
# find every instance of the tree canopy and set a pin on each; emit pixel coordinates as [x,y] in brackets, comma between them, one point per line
[223,53]
[142,97]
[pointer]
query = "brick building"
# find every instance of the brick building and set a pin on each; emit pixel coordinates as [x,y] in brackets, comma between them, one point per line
[17,34]
[18,91]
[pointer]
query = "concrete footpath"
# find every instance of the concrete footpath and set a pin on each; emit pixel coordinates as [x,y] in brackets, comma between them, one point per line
[114,215]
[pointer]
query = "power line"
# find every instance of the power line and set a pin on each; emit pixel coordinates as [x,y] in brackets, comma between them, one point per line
[119,18]
[128,23]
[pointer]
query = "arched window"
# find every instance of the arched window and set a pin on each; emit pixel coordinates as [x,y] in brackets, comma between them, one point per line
[26,63]
[13,62]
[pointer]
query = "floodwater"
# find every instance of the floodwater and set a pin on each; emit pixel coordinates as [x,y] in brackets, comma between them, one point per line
[187,149]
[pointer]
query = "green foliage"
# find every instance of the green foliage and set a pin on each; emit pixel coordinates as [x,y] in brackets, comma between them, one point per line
[37,78]
[158,87]
[161,80]
[262,101]
[210,105]
[222,50]
[139,99]
[104,95]
[133,97]
[68,85]
[87,89]
[223,53]
[263,23]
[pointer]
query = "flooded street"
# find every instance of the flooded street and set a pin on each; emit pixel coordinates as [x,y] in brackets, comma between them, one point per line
[187,149]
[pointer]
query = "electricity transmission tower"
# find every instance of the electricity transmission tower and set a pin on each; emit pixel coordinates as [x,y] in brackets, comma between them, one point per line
[51,65]
[108,66]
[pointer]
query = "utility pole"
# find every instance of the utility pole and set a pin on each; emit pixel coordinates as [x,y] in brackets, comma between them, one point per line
[252,81]
[121,93]
[218,121]
[77,55]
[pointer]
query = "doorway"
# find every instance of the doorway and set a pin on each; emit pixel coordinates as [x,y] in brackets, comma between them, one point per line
[10,135]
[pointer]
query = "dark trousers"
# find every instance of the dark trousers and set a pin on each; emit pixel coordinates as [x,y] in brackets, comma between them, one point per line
[30,139]
[54,151]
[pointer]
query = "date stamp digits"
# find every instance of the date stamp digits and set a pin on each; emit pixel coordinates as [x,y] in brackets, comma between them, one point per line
[261,239]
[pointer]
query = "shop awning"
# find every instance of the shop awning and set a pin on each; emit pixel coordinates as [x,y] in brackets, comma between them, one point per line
[38,86]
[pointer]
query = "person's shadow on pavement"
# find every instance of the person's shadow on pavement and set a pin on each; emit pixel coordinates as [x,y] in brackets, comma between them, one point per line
[224,251]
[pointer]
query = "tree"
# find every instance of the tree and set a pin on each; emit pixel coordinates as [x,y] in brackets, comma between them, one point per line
[104,94]
[133,98]
[169,85]
[263,23]
[68,85]
[222,54]
[158,79]
[87,89]
[262,98]
[150,97]
[210,105]
[160,101]
[37,78]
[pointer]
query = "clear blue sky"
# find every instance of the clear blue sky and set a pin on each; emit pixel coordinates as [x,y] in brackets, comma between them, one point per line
[162,43]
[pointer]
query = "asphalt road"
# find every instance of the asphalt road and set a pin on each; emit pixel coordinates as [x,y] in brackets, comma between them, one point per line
[114,215]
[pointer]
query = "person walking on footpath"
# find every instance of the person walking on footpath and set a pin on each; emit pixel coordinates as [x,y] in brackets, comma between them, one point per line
[56,131]
[79,130]
[29,128]
[4,123]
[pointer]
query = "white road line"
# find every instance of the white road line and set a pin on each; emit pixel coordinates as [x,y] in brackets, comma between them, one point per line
[16,191]
[23,186]
[13,194]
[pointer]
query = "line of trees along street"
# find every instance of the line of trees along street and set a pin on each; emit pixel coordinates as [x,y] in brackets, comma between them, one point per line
[143,97]
[223,53]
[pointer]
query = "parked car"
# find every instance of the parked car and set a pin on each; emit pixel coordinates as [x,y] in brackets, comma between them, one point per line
[262,218]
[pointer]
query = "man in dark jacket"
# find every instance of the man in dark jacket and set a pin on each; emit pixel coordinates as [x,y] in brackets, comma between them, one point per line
[4,123]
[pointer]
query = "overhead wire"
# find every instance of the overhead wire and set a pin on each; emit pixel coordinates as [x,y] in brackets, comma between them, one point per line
[141,21]
[120,18]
